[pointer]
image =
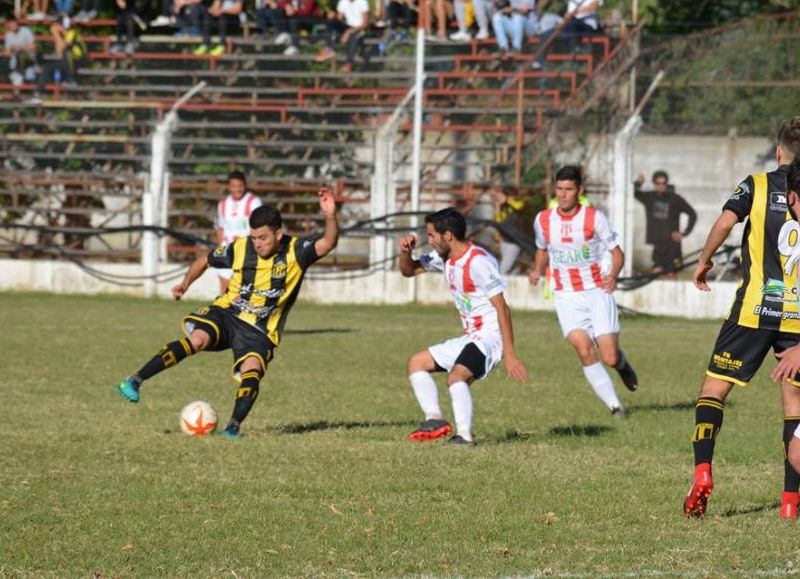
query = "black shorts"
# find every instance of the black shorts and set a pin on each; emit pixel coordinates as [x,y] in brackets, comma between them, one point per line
[228,331]
[667,255]
[740,351]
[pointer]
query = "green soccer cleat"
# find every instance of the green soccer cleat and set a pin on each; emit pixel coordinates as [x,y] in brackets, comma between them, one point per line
[231,431]
[129,390]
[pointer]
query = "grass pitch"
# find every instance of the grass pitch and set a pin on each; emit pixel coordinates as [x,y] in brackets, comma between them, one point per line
[324,484]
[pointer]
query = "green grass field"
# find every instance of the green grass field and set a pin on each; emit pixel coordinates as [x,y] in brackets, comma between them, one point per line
[324,483]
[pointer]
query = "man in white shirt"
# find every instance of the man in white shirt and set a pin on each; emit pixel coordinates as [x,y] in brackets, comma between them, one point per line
[19,48]
[350,23]
[233,218]
[477,290]
[574,238]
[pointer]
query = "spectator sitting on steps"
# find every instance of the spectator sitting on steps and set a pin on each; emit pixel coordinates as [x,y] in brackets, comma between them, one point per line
[350,21]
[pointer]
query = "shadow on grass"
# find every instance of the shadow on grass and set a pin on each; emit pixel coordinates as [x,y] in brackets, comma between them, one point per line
[571,430]
[310,331]
[661,407]
[321,425]
[736,511]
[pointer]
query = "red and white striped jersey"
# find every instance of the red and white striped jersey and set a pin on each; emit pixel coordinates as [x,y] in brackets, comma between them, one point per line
[575,244]
[233,216]
[473,279]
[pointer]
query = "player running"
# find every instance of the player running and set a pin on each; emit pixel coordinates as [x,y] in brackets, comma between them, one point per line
[477,290]
[764,315]
[574,238]
[268,268]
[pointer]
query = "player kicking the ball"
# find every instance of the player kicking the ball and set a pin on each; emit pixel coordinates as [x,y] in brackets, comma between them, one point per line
[574,238]
[268,268]
[477,290]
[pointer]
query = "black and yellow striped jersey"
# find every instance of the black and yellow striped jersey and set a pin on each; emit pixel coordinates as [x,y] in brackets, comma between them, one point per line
[767,295]
[262,291]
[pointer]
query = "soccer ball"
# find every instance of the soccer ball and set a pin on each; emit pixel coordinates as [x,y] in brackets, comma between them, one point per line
[198,418]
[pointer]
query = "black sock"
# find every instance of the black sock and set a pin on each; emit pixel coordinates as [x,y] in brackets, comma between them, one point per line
[245,398]
[791,479]
[622,362]
[167,357]
[708,420]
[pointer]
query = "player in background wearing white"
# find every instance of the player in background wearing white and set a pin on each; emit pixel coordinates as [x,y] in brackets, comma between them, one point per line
[233,214]
[477,289]
[573,238]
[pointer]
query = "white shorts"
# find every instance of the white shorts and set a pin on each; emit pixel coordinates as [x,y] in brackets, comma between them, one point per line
[593,311]
[446,353]
[225,273]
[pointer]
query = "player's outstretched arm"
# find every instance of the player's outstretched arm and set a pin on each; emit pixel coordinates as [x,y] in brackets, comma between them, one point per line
[716,237]
[514,367]
[409,266]
[617,261]
[195,270]
[327,206]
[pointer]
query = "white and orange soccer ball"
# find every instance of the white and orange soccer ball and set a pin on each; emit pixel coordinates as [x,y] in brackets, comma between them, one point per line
[198,418]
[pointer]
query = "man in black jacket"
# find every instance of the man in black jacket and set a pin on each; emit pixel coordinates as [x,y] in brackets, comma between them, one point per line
[664,208]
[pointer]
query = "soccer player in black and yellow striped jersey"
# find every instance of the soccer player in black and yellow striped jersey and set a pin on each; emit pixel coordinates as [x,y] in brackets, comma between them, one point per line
[268,268]
[764,313]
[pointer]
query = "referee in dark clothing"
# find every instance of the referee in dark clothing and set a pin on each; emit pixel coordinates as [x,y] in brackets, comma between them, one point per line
[664,208]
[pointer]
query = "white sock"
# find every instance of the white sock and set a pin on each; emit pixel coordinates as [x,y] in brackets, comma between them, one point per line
[602,384]
[462,409]
[426,393]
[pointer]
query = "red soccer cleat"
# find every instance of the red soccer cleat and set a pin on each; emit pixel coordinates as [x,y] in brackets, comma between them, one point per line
[431,429]
[696,500]
[789,501]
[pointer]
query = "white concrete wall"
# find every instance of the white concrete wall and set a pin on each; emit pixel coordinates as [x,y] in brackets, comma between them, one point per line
[659,298]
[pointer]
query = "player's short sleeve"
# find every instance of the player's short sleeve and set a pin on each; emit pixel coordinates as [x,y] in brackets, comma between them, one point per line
[604,232]
[486,276]
[221,257]
[538,232]
[431,261]
[741,200]
[305,251]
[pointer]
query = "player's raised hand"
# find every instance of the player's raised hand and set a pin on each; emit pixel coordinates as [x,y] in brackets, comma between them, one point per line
[515,368]
[408,242]
[788,365]
[327,203]
[700,271]
[179,290]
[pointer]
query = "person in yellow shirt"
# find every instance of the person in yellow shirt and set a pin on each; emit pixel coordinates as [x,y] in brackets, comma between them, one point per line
[507,211]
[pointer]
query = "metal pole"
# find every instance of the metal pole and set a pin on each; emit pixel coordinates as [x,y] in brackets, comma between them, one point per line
[419,79]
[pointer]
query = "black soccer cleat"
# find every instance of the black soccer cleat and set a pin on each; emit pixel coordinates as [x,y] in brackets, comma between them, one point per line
[629,378]
[459,440]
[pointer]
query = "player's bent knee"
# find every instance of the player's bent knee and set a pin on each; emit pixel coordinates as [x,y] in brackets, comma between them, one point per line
[200,340]
[610,358]
[251,363]
[420,362]
[715,388]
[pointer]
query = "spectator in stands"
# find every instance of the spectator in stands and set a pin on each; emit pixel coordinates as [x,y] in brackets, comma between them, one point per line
[19,53]
[233,218]
[664,208]
[584,19]
[71,54]
[483,9]
[126,28]
[349,22]
[302,14]
[223,13]
[166,17]
[440,10]
[89,10]
[272,14]
[507,212]
[39,9]
[188,16]
[63,7]
[510,22]
[460,9]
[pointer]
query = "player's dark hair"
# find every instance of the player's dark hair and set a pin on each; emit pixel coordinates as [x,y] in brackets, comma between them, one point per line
[793,177]
[660,174]
[570,173]
[237,176]
[266,215]
[789,137]
[448,220]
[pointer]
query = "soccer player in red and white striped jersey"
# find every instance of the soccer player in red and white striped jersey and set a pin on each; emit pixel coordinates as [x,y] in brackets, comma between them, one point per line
[233,218]
[573,238]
